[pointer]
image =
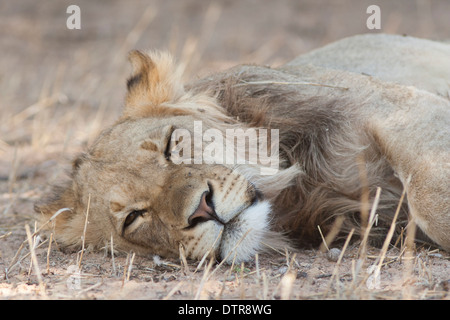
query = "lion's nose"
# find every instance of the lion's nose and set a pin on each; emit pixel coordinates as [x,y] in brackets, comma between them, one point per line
[205,210]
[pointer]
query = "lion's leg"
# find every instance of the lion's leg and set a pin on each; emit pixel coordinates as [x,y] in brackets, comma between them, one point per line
[415,138]
[428,191]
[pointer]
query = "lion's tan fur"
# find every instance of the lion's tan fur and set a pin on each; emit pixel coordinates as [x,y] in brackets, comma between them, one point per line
[341,133]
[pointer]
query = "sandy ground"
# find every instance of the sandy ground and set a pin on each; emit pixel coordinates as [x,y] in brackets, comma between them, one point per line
[59,87]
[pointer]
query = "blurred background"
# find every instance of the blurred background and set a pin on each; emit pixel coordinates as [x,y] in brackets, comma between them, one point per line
[59,87]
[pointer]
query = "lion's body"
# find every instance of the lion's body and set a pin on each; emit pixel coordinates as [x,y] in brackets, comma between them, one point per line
[408,61]
[341,133]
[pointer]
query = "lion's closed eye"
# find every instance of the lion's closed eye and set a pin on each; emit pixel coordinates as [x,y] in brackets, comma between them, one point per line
[167,150]
[132,216]
[168,143]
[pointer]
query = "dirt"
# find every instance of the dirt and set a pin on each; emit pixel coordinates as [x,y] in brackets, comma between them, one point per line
[59,87]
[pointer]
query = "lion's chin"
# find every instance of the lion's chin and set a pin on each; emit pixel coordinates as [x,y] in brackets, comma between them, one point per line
[243,237]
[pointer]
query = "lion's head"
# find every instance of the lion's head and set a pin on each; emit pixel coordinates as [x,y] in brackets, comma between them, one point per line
[130,190]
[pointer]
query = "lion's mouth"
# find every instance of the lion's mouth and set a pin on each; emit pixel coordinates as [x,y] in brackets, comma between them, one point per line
[242,236]
[205,210]
[239,233]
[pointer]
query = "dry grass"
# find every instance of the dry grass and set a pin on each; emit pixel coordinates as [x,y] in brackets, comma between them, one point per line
[59,90]
[388,273]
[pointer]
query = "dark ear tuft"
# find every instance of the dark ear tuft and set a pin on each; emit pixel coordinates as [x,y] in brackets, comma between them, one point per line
[143,67]
[155,79]
[134,80]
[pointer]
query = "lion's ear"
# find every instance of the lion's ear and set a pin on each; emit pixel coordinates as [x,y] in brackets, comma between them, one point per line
[58,208]
[155,80]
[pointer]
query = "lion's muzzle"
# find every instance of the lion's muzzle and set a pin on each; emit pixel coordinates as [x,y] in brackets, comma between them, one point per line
[205,210]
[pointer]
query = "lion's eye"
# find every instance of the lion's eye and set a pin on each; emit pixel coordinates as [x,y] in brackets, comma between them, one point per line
[132,217]
[167,150]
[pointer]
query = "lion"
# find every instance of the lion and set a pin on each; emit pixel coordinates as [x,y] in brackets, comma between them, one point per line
[367,117]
